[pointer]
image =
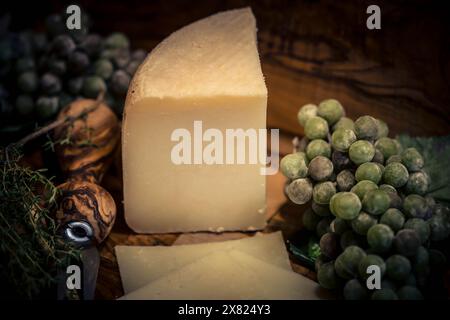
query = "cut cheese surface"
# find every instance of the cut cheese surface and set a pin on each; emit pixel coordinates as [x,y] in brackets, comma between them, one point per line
[209,71]
[140,265]
[228,275]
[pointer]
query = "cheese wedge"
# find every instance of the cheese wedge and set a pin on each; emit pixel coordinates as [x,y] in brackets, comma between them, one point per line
[231,275]
[209,73]
[140,265]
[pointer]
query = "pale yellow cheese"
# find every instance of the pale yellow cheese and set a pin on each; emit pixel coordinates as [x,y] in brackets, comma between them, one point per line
[208,71]
[140,265]
[228,275]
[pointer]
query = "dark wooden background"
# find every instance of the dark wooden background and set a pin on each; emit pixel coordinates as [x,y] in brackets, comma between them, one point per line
[311,50]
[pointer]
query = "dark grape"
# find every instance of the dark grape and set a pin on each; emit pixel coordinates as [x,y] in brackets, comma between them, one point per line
[57,67]
[28,82]
[78,62]
[132,67]
[24,105]
[92,44]
[63,45]
[74,85]
[138,55]
[50,84]
[55,25]
[119,82]
[25,64]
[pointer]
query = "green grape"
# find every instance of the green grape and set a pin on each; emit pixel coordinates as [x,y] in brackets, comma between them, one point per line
[47,107]
[318,147]
[361,151]
[329,245]
[388,284]
[342,139]
[103,68]
[368,171]
[339,226]
[344,123]
[306,112]
[299,191]
[323,191]
[362,187]
[331,110]
[412,159]
[371,260]
[323,226]
[347,263]
[345,205]
[327,276]
[388,188]
[380,238]
[418,183]
[345,180]
[393,218]
[394,158]
[320,168]
[439,229]
[294,165]
[378,157]
[316,128]
[421,227]
[395,174]
[384,294]
[321,210]
[376,202]
[92,86]
[362,223]
[117,40]
[354,290]
[415,206]
[406,242]
[411,280]
[387,147]
[409,293]
[382,129]
[349,238]
[398,267]
[366,127]
[310,220]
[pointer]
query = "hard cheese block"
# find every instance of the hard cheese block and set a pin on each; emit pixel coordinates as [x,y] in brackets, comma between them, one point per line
[228,275]
[208,71]
[141,265]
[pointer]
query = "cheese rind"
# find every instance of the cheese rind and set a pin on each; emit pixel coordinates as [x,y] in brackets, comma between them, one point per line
[208,71]
[230,275]
[140,265]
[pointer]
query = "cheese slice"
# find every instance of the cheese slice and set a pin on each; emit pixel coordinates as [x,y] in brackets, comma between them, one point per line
[140,265]
[208,71]
[231,275]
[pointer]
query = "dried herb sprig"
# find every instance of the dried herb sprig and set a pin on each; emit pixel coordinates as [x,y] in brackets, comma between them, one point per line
[31,249]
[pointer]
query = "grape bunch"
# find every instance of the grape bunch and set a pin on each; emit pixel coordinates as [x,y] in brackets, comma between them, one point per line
[41,72]
[369,205]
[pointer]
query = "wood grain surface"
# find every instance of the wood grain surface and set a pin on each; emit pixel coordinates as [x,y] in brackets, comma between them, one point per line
[310,50]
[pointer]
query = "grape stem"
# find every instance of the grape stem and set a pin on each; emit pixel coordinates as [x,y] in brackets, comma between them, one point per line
[57,123]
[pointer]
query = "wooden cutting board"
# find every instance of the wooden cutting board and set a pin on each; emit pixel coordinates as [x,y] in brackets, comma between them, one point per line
[281,214]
